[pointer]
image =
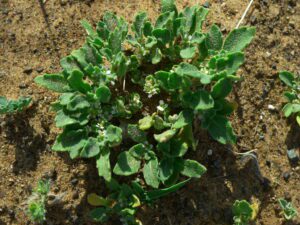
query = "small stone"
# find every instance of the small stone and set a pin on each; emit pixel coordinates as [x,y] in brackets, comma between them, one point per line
[11,213]
[209,152]
[74,181]
[271,107]
[206,4]
[28,70]
[293,156]
[39,69]
[23,86]
[286,176]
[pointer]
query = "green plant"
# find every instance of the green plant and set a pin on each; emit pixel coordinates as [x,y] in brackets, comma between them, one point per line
[293,105]
[12,106]
[243,212]
[130,98]
[288,210]
[36,205]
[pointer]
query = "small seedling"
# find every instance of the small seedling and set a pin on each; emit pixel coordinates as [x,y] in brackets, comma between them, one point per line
[37,202]
[243,212]
[293,95]
[13,106]
[288,210]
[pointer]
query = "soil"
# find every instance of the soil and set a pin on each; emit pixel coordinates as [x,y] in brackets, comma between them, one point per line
[34,38]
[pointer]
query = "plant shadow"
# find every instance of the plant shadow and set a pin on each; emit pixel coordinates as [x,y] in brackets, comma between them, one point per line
[28,143]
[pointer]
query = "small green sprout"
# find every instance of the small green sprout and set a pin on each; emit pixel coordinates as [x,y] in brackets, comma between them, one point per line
[288,210]
[243,212]
[13,106]
[293,95]
[37,202]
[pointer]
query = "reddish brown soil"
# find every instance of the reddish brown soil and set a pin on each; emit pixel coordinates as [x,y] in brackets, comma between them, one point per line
[30,41]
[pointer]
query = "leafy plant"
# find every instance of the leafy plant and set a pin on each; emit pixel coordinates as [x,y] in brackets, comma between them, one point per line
[293,105]
[129,97]
[36,205]
[243,212]
[12,106]
[288,209]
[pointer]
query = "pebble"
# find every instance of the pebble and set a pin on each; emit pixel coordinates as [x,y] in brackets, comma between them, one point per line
[23,86]
[28,70]
[293,156]
[206,4]
[74,181]
[39,69]
[209,152]
[286,176]
[271,107]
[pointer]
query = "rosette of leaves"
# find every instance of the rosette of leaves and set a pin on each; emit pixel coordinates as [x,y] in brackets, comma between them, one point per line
[293,105]
[244,212]
[131,94]
[12,106]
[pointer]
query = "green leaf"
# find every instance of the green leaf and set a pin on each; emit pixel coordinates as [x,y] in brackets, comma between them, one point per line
[99,215]
[78,102]
[156,56]
[199,100]
[200,16]
[136,134]
[69,64]
[103,94]
[120,64]
[287,77]
[115,41]
[243,210]
[138,151]
[163,36]
[165,136]
[126,165]
[168,6]
[238,39]
[192,168]
[222,88]
[150,172]
[186,69]
[88,28]
[146,123]
[178,148]
[185,117]
[165,20]
[113,135]
[53,82]
[72,140]
[76,82]
[150,42]
[215,39]
[291,108]
[231,62]
[166,169]
[138,23]
[62,119]
[90,149]
[156,194]
[103,164]
[188,53]
[220,129]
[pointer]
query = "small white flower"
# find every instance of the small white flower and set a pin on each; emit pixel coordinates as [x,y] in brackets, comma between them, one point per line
[161,102]
[159,108]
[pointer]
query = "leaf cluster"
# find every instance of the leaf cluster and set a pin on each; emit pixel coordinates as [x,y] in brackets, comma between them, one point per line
[36,205]
[293,105]
[288,210]
[131,94]
[13,106]
[243,212]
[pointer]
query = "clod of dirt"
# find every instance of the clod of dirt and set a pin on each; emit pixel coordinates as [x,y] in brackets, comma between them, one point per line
[28,70]
[286,176]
